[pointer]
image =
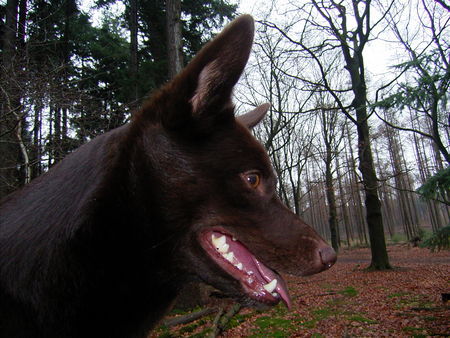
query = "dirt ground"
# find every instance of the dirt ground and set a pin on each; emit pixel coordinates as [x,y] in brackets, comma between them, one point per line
[348,301]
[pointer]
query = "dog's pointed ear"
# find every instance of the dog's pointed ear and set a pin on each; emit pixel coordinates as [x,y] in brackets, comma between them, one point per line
[221,63]
[204,88]
[253,117]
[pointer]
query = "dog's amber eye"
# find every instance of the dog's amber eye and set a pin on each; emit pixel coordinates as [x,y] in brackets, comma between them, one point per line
[253,180]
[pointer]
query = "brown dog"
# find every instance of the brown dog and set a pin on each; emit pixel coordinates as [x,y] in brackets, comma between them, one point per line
[101,244]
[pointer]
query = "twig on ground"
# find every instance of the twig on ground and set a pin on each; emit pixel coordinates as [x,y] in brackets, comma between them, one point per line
[326,294]
[222,320]
[190,317]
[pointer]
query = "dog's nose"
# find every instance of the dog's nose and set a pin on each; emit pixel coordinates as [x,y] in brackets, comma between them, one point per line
[328,256]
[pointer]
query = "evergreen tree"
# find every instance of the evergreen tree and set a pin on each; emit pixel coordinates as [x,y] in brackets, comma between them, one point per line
[68,81]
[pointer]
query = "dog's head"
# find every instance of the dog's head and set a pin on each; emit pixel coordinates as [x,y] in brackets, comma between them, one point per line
[215,182]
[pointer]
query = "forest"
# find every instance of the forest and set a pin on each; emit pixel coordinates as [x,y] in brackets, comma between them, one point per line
[359,126]
[351,142]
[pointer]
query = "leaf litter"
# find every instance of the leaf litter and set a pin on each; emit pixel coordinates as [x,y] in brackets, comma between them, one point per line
[349,301]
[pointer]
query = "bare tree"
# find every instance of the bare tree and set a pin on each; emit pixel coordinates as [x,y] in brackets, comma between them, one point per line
[346,26]
[425,81]
[417,101]
[332,134]
[285,133]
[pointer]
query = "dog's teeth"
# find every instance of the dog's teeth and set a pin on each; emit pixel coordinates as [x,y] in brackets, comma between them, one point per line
[229,256]
[222,240]
[218,241]
[223,249]
[275,294]
[271,286]
[234,239]
[239,266]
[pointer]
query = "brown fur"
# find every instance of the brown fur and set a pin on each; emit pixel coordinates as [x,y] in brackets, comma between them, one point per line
[101,244]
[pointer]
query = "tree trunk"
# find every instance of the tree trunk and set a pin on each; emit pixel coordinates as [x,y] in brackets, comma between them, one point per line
[355,67]
[37,134]
[344,211]
[331,198]
[174,38]
[385,199]
[21,28]
[57,153]
[354,186]
[380,259]
[410,197]
[9,104]
[422,161]
[398,173]
[133,53]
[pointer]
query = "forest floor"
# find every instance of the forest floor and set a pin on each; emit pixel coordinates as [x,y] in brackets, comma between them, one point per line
[349,301]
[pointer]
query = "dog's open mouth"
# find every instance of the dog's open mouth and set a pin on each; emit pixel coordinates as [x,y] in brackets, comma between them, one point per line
[259,282]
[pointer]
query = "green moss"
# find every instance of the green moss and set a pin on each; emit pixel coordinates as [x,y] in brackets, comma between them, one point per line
[203,334]
[323,313]
[327,287]
[174,311]
[188,328]
[166,334]
[349,291]
[399,238]
[237,320]
[413,331]
[274,327]
[316,335]
[268,322]
[361,319]
[310,324]
[409,300]
[338,301]
[398,294]
[280,310]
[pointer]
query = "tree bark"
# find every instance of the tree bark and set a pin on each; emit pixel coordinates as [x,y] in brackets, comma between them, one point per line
[134,53]
[174,37]
[37,134]
[354,185]
[344,211]
[354,64]
[9,104]
[329,187]
[380,259]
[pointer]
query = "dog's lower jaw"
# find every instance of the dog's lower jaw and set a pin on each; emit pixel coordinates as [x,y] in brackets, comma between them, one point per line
[258,283]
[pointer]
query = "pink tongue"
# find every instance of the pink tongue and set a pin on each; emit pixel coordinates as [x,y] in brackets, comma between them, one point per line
[261,273]
[281,288]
